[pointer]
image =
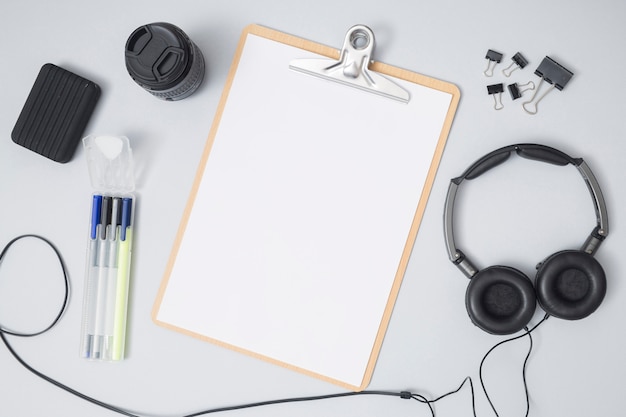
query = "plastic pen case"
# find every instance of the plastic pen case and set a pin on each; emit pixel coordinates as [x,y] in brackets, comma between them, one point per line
[109,247]
[107,277]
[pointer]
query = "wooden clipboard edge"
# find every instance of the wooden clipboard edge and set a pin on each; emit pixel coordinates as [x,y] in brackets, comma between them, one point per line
[257,355]
[329,52]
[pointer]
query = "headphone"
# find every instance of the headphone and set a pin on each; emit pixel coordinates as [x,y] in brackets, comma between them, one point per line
[569,284]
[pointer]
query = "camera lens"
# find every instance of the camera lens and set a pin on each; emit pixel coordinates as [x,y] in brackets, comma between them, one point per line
[162,59]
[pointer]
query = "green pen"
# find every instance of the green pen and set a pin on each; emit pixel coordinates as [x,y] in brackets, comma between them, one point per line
[123,274]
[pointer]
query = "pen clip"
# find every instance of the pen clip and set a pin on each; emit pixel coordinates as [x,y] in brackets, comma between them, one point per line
[116,216]
[96,207]
[127,208]
[105,216]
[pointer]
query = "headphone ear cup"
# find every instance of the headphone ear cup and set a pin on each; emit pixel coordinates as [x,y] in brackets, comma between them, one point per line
[570,284]
[500,300]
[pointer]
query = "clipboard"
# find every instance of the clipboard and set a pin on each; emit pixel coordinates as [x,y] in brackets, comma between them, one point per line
[305,206]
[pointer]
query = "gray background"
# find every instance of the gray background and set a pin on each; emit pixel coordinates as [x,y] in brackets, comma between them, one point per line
[516,217]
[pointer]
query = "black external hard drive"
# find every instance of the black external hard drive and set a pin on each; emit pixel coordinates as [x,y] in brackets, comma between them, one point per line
[55,113]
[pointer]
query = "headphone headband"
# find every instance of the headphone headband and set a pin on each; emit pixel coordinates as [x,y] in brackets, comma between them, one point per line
[529,151]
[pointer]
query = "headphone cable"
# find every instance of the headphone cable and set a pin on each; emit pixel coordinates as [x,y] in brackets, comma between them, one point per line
[4,332]
[530,348]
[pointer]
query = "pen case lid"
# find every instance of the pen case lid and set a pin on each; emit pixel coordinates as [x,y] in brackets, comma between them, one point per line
[110,163]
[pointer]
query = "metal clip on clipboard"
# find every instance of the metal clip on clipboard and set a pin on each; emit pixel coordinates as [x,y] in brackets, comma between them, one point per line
[352,67]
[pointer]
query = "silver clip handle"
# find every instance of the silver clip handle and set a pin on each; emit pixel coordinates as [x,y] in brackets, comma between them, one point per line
[531,106]
[352,69]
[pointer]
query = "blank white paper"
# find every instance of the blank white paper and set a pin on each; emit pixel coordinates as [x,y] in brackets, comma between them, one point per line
[302,215]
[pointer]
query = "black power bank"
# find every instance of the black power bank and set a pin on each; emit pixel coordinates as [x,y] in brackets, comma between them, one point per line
[55,113]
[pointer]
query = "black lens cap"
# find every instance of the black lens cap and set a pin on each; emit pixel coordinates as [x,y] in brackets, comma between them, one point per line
[158,56]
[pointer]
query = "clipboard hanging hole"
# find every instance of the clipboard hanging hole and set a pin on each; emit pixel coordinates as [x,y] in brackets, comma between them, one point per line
[359,39]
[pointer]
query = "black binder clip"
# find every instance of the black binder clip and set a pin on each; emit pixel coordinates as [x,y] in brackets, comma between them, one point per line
[554,74]
[496,91]
[493,58]
[516,90]
[519,62]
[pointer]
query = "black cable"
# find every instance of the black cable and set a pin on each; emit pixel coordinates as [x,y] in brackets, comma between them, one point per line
[4,332]
[482,362]
[60,385]
[530,349]
[403,394]
[471,384]
[66,282]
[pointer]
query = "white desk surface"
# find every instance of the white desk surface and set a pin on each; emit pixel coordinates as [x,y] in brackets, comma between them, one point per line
[516,217]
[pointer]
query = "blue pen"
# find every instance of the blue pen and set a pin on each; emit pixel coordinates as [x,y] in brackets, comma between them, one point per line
[95,215]
[127,208]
